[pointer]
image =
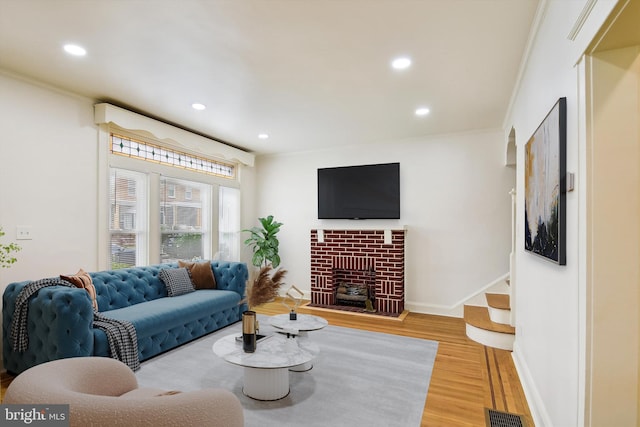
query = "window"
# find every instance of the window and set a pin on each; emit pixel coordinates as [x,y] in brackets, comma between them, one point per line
[142,150]
[229,224]
[127,225]
[137,229]
[164,213]
[184,225]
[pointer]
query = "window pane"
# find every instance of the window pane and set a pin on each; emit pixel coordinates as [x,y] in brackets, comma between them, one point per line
[184,227]
[123,250]
[129,147]
[229,224]
[185,246]
[127,200]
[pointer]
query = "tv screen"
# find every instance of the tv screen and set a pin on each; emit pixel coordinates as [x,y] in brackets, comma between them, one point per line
[359,192]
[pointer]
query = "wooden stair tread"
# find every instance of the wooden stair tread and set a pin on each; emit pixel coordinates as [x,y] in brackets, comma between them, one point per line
[479,317]
[499,301]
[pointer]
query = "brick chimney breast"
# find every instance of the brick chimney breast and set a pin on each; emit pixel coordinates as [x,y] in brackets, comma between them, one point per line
[362,258]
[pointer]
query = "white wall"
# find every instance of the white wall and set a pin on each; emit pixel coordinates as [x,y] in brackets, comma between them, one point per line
[547,294]
[549,348]
[48,158]
[455,204]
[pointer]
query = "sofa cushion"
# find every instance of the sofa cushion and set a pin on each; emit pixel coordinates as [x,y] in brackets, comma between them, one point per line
[164,313]
[82,280]
[201,274]
[177,281]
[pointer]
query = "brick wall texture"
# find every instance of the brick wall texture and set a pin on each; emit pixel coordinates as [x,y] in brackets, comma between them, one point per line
[349,254]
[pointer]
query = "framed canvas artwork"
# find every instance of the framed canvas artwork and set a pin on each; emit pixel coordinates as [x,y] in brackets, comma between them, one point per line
[544,186]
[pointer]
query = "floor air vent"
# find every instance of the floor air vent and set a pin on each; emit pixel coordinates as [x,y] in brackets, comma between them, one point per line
[503,419]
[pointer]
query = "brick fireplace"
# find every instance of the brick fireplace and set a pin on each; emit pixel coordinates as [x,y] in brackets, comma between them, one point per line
[358,259]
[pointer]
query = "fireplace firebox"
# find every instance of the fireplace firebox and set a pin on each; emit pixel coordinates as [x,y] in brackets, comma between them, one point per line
[355,288]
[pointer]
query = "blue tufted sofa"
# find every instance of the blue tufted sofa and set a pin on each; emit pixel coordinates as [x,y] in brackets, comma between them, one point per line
[60,322]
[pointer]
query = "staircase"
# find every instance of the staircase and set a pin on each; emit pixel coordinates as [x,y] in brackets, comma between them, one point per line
[490,325]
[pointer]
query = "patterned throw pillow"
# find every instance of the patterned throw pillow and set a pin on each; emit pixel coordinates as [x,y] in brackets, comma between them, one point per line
[201,274]
[176,280]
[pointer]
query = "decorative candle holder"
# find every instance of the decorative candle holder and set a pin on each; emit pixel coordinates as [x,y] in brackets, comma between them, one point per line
[249,327]
[292,301]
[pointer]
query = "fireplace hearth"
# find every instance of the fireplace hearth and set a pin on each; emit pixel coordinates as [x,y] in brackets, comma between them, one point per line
[358,270]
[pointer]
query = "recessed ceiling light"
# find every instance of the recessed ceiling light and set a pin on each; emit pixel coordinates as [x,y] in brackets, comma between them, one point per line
[198,106]
[401,63]
[263,136]
[75,50]
[422,111]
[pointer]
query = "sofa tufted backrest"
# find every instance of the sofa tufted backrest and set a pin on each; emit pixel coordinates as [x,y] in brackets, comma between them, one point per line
[128,286]
[231,276]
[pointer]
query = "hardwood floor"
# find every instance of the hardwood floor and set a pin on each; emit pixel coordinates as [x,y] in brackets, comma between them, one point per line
[467,377]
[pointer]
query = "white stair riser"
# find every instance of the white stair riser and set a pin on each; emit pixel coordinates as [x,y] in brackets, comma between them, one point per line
[499,315]
[491,339]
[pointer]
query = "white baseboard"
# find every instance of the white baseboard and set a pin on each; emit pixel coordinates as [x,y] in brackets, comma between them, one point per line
[454,310]
[440,310]
[536,405]
[457,309]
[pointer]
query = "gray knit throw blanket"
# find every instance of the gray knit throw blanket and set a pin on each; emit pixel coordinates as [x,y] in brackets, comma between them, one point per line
[121,335]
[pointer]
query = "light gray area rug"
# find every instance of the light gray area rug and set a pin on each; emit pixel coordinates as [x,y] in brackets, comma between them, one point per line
[360,378]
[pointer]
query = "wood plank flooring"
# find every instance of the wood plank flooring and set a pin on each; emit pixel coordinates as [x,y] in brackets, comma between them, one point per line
[466,378]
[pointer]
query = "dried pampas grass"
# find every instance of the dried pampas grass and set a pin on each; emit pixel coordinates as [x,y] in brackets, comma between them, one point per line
[265,286]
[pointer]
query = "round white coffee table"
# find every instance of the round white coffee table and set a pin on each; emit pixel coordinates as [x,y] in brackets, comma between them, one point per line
[266,371]
[302,325]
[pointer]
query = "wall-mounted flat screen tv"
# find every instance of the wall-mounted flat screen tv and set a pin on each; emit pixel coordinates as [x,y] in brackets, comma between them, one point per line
[359,192]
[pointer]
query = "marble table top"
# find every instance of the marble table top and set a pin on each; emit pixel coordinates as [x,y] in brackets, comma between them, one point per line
[304,322]
[274,351]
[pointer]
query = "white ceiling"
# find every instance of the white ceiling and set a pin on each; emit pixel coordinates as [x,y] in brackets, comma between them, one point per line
[310,73]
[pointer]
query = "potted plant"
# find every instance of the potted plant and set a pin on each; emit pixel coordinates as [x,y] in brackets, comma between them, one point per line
[264,243]
[6,259]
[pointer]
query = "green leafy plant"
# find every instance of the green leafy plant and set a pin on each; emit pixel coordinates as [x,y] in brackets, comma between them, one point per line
[264,243]
[5,252]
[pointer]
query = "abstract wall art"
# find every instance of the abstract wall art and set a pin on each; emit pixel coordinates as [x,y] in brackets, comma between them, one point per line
[544,186]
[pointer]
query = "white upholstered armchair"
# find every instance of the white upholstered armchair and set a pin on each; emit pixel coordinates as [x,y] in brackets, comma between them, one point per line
[104,392]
